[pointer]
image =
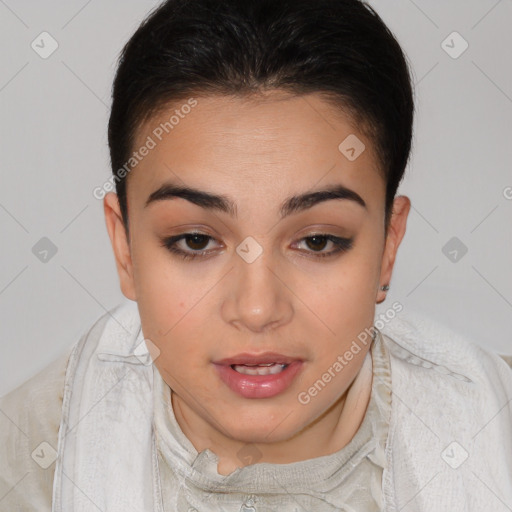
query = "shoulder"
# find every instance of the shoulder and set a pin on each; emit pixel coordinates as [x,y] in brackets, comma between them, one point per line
[447,387]
[29,426]
[451,409]
[420,341]
[30,415]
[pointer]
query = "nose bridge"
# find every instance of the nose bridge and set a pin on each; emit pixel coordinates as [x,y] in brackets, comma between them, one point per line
[259,298]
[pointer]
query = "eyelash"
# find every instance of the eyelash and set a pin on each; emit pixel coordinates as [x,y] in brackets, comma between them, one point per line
[342,245]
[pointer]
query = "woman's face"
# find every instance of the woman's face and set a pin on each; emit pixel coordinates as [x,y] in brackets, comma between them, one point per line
[285,265]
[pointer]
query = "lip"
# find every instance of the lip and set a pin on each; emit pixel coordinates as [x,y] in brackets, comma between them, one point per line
[258,386]
[263,358]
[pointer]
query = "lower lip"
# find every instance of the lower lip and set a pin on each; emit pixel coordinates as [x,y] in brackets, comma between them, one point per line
[258,386]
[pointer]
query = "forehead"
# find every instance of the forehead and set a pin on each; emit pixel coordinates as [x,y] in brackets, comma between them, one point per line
[269,143]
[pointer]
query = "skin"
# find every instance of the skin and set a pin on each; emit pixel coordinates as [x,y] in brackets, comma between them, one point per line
[259,152]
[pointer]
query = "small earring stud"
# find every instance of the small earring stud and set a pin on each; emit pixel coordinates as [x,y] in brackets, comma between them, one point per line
[385,287]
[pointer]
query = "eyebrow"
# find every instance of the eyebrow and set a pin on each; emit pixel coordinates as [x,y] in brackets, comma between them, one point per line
[222,203]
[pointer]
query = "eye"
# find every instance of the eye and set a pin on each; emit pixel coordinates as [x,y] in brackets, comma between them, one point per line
[318,242]
[179,244]
[189,246]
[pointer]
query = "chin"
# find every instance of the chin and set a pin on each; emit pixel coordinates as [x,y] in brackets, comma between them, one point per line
[264,427]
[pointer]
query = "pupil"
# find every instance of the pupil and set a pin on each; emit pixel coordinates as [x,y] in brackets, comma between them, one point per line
[196,240]
[322,240]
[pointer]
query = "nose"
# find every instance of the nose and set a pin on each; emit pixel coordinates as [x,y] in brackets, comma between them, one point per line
[257,297]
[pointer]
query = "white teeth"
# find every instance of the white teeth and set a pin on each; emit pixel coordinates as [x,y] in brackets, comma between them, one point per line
[263,369]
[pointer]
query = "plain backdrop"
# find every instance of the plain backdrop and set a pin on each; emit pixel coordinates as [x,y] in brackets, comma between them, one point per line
[455,261]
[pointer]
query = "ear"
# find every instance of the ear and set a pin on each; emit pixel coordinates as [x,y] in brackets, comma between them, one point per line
[396,231]
[120,245]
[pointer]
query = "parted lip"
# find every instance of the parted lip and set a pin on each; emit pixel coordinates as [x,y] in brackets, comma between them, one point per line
[263,358]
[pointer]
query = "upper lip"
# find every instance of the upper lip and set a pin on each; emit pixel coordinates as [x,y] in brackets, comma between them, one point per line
[263,358]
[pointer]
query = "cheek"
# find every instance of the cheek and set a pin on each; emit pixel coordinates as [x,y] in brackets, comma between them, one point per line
[171,309]
[170,283]
[344,304]
[179,337]
[157,278]
[349,288]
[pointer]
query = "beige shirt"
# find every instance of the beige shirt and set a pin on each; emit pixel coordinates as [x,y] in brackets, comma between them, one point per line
[29,426]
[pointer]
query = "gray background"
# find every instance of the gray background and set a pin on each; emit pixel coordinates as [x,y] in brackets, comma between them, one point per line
[54,114]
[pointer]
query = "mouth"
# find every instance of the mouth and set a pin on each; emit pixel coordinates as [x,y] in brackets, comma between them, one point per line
[265,358]
[259,369]
[258,375]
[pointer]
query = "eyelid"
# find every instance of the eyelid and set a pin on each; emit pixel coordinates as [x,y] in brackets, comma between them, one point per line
[341,244]
[170,244]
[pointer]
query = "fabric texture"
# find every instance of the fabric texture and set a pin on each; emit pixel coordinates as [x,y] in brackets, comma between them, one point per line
[449,444]
[29,416]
